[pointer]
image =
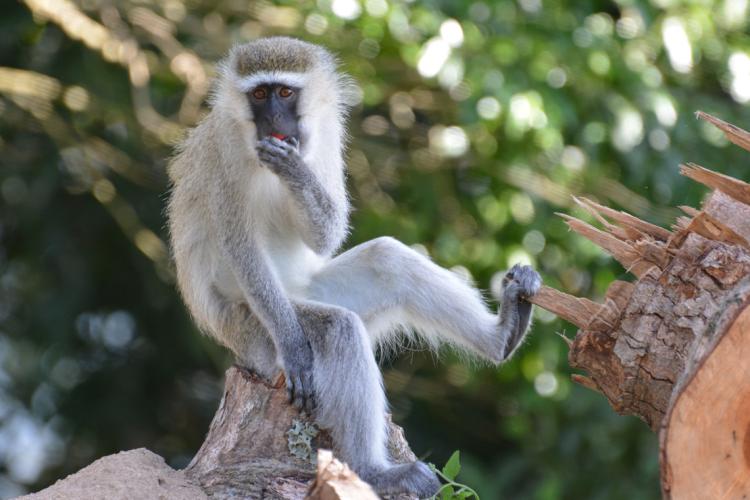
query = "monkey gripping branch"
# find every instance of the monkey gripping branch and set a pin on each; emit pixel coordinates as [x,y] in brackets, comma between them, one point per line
[673,347]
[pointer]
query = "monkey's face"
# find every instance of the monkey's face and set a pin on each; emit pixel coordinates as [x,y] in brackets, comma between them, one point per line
[274,109]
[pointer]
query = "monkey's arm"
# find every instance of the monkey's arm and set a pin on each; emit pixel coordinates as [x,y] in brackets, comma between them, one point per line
[325,217]
[264,294]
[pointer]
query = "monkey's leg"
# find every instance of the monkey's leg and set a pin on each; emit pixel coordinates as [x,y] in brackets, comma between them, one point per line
[350,400]
[390,285]
[235,327]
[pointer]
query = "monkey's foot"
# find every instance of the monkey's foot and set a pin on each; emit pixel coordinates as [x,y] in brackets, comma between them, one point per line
[415,478]
[519,283]
[526,280]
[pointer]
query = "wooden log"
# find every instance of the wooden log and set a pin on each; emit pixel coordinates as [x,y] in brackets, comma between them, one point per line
[705,437]
[674,349]
[637,360]
[635,346]
[258,446]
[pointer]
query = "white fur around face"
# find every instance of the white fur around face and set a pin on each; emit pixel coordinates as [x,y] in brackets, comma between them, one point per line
[292,79]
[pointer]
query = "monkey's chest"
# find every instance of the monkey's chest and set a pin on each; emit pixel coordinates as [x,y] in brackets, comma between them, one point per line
[293,262]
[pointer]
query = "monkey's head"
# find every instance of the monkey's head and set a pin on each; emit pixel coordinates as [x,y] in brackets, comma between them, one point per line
[285,87]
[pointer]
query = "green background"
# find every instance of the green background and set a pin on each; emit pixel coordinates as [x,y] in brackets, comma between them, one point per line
[476,122]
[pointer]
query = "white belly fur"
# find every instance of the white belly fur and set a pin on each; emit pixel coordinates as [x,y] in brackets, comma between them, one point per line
[293,262]
[290,259]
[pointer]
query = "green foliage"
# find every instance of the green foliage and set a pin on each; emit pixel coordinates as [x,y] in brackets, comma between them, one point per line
[452,490]
[478,119]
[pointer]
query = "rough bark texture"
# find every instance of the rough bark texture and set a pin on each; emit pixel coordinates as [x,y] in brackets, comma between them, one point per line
[636,357]
[247,454]
[636,345]
[672,347]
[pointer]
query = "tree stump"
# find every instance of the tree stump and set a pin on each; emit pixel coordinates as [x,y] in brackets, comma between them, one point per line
[673,348]
[260,447]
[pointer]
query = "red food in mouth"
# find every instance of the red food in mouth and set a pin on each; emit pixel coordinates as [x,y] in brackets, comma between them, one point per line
[280,137]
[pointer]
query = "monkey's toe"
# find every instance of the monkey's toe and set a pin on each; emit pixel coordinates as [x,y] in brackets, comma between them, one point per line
[526,278]
[414,478]
[426,482]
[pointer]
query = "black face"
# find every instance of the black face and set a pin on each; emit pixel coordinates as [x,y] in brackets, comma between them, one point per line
[274,108]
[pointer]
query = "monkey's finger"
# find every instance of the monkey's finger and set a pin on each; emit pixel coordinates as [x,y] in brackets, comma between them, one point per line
[512,291]
[287,143]
[513,272]
[309,394]
[289,388]
[529,281]
[310,404]
[271,141]
[299,395]
[275,141]
[288,146]
[271,149]
[266,157]
[273,161]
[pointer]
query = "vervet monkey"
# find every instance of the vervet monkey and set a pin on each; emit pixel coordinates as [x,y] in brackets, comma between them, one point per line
[259,207]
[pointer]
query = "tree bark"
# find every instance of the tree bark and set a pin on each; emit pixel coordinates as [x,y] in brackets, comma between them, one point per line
[255,447]
[258,447]
[672,348]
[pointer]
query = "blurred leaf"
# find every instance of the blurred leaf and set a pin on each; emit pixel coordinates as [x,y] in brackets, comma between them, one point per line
[452,466]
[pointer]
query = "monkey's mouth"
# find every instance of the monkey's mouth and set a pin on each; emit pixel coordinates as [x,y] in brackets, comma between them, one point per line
[289,139]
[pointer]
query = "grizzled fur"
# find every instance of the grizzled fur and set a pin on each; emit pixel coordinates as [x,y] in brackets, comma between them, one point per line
[255,224]
[277,54]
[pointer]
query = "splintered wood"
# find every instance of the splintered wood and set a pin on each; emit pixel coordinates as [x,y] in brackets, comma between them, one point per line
[573,309]
[735,134]
[663,348]
[613,244]
[336,481]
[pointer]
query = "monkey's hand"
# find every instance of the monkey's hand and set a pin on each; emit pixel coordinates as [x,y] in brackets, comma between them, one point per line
[283,158]
[298,370]
[323,216]
[519,283]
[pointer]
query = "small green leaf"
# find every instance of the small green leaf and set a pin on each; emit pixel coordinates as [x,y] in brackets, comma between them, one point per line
[453,466]
[447,493]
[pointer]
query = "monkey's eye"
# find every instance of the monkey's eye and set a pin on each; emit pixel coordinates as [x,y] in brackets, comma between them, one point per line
[285,92]
[259,93]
